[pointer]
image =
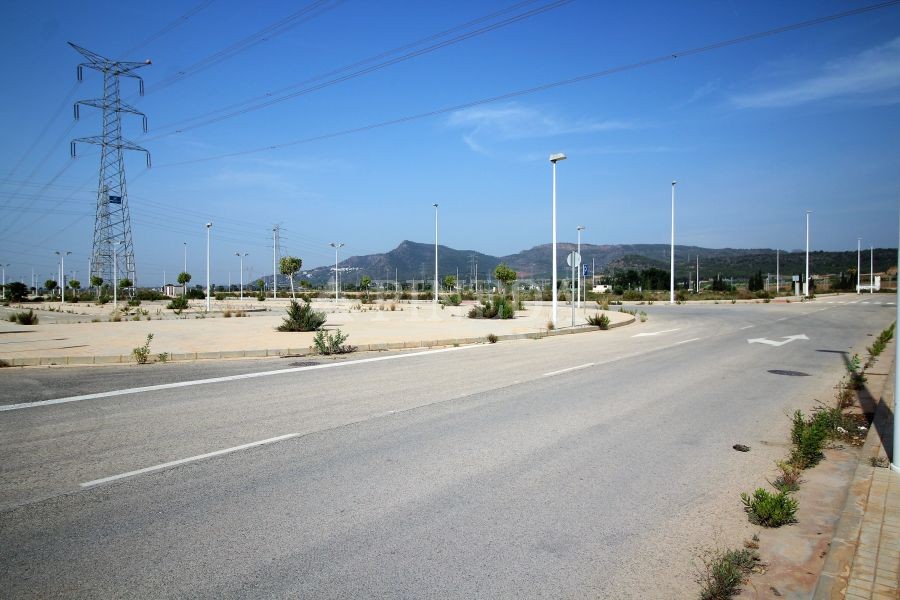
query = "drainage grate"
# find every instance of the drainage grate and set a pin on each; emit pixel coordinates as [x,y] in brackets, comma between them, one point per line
[303,363]
[788,373]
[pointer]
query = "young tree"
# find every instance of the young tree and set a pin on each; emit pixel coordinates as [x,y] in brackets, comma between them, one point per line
[505,275]
[756,282]
[184,278]
[75,284]
[289,266]
[449,282]
[364,283]
[16,290]
[50,285]
[96,282]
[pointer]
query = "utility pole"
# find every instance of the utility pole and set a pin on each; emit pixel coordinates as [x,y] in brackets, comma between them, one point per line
[275,233]
[672,251]
[112,222]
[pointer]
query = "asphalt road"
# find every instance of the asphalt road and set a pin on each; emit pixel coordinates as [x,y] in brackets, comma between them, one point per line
[592,465]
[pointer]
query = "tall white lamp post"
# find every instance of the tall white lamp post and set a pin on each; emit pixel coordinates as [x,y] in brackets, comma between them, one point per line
[554,158]
[672,251]
[62,270]
[4,280]
[806,281]
[116,274]
[777,271]
[580,269]
[241,257]
[436,288]
[871,269]
[336,245]
[208,227]
[858,264]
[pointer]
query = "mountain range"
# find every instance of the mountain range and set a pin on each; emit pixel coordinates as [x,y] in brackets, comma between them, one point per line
[413,260]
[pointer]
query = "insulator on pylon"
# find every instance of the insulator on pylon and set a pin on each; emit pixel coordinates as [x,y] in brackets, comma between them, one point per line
[145,123]
[77,112]
[72,149]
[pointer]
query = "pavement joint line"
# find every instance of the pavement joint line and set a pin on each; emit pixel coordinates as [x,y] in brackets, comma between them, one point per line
[180,384]
[561,371]
[175,463]
[686,341]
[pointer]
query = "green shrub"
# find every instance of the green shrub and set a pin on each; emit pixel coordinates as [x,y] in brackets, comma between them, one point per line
[196,294]
[498,308]
[25,318]
[178,303]
[141,354]
[220,296]
[808,437]
[301,317]
[599,320]
[453,300]
[492,338]
[770,510]
[134,302]
[331,344]
[723,573]
[261,296]
[149,295]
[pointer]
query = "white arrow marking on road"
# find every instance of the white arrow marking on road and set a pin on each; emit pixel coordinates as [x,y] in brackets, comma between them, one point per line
[655,332]
[787,339]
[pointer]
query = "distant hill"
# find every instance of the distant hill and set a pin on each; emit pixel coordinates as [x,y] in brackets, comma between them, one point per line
[413,260]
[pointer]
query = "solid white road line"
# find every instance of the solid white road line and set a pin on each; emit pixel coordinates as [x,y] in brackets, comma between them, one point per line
[552,373]
[180,384]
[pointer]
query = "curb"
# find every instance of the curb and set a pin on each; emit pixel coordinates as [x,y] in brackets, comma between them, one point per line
[835,575]
[285,352]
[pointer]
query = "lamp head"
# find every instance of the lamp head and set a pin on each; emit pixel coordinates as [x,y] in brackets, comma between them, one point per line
[435,205]
[208,225]
[581,228]
[555,158]
[674,182]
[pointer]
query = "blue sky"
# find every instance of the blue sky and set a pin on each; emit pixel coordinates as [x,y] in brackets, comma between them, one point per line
[755,133]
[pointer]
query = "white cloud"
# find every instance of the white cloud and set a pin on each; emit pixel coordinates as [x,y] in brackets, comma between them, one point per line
[516,122]
[870,76]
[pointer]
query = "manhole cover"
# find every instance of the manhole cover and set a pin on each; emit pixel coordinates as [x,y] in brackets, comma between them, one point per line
[788,373]
[303,363]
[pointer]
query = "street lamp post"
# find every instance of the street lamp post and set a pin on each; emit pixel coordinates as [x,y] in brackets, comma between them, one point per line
[672,251]
[580,269]
[184,291]
[116,275]
[336,245]
[435,300]
[806,281]
[554,158]
[208,227]
[241,257]
[871,269]
[62,270]
[4,279]
[777,271]
[858,264]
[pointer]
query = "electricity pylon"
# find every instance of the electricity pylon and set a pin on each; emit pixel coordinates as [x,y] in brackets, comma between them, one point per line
[112,224]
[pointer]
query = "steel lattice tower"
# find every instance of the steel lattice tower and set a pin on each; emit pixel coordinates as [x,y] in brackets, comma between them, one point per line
[112,225]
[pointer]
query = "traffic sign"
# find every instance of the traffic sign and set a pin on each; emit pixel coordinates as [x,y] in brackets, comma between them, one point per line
[573,256]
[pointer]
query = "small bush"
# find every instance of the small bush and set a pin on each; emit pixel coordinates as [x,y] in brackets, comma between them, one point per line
[808,437]
[226,313]
[261,296]
[179,303]
[326,343]
[25,318]
[789,479]
[723,573]
[550,326]
[492,339]
[301,317]
[643,316]
[498,308]
[599,320]
[134,302]
[142,353]
[770,510]
[453,300]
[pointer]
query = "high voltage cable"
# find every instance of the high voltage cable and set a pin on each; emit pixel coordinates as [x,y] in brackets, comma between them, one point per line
[268,95]
[174,24]
[548,86]
[307,13]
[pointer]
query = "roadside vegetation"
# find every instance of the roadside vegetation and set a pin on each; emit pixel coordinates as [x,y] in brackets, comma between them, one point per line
[722,573]
[328,343]
[302,317]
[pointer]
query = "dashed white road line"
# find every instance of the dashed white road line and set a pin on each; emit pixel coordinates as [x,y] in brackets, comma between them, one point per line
[182,461]
[686,341]
[552,373]
[747,327]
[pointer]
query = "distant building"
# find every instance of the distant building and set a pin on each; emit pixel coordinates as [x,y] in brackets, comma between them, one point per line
[170,289]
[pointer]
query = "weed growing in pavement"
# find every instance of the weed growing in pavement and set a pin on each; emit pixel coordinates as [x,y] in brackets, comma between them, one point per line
[808,437]
[770,510]
[879,344]
[643,316]
[550,326]
[722,573]
[789,478]
[879,461]
[142,353]
[327,343]
[492,338]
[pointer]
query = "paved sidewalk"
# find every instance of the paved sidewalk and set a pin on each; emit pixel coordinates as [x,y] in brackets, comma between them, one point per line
[864,559]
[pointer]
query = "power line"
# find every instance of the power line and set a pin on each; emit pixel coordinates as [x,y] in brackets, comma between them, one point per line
[265,100]
[307,13]
[556,84]
[174,24]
